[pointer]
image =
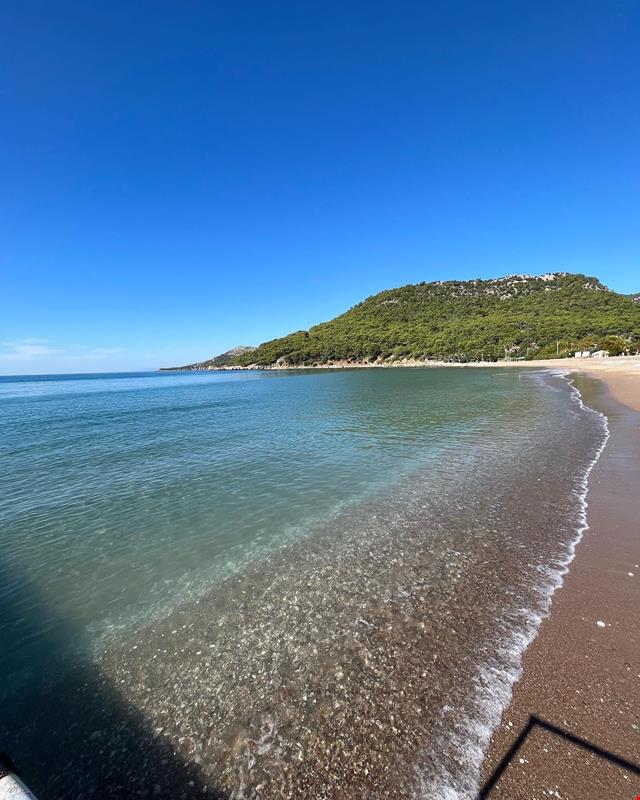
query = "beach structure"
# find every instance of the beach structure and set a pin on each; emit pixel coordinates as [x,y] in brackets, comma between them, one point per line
[596,352]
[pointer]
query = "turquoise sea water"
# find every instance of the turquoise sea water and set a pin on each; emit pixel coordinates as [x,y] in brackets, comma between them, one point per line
[123,492]
[126,496]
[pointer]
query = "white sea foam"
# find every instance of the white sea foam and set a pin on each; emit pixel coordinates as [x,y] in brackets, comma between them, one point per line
[468,737]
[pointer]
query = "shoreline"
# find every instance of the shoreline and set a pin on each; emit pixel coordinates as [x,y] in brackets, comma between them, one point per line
[505,669]
[580,671]
[343,665]
[392,646]
[620,373]
[566,675]
[548,765]
[478,738]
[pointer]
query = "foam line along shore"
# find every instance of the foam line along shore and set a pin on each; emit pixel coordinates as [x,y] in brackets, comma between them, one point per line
[582,672]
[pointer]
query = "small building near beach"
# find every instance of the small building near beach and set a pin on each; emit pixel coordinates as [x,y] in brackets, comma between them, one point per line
[595,353]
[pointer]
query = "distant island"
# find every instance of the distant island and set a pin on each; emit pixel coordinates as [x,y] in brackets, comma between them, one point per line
[517,316]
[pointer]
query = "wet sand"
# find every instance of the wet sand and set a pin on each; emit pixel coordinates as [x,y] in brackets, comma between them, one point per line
[582,672]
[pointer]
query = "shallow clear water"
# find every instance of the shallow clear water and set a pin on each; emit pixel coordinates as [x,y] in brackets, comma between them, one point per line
[121,493]
[285,516]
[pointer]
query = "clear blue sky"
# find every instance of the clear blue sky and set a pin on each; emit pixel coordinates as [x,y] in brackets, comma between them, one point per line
[179,178]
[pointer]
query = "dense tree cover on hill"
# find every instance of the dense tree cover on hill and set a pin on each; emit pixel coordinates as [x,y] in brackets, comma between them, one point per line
[516,316]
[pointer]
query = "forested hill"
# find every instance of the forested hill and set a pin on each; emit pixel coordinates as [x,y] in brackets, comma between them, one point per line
[465,321]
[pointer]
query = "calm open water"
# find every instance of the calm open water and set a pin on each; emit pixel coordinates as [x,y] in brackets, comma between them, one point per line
[272,584]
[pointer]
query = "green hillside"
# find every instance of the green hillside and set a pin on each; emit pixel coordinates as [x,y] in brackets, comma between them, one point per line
[467,320]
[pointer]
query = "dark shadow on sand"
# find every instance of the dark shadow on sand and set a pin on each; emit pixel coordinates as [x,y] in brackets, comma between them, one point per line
[68,729]
[537,722]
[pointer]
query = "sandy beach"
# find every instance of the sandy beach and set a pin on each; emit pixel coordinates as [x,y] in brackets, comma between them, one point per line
[621,374]
[582,672]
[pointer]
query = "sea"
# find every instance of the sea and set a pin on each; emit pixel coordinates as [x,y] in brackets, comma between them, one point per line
[277,584]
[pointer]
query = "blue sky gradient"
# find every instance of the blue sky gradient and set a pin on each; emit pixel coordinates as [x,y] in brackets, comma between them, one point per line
[179,178]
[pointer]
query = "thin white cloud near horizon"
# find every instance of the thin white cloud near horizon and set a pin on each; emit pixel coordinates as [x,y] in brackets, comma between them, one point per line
[38,355]
[33,348]
[26,349]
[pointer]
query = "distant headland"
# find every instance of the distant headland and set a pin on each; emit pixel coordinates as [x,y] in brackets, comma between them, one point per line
[514,317]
